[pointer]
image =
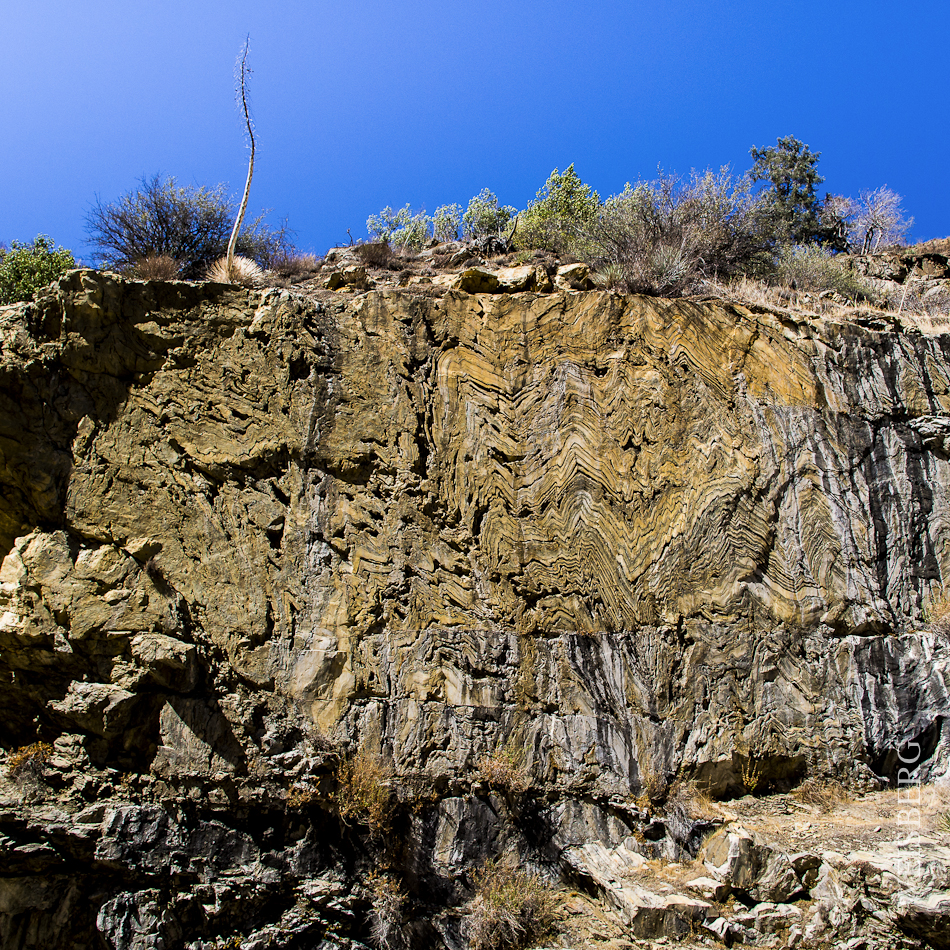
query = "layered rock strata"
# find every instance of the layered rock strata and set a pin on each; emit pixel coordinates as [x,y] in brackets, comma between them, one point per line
[630,539]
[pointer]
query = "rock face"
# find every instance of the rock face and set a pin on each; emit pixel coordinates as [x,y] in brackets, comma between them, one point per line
[633,539]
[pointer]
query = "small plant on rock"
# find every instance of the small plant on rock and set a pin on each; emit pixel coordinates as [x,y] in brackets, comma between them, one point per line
[653,785]
[27,764]
[752,777]
[937,613]
[511,908]
[363,791]
[387,914]
[503,770]
[300,796]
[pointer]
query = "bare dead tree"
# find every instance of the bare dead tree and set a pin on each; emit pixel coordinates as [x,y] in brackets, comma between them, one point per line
[243,73]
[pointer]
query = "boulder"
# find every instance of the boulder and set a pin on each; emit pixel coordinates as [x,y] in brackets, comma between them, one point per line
[750,866]
[477,280]
[170,663]
[646,913]
[573,277]
[100,708]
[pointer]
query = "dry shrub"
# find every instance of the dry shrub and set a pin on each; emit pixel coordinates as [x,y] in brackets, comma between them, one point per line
[511,908]
[363,791]
[242,271]
[663,237]
[503,770]
[156,267]
[937,613]
[823,794]
[695,801]
[817,270]
[387,914]
[28,763]
[296,266]
[300,796]
[653,785]
[375,254]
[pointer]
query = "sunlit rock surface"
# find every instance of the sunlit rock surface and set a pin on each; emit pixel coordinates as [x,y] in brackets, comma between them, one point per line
[632,538]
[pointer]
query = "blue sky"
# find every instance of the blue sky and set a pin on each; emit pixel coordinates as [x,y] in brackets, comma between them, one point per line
[362,104]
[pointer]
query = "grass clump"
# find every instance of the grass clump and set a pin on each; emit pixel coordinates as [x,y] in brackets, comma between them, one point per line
[363,791]
[239,270]
[823,794]
[511,908]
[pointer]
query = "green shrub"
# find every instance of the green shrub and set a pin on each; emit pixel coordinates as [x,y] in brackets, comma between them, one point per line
[191,225]
[561,216]
[816,270]
[484,216]
[400,228]
[446,223]
[663,237]
[27,268]
[511,908]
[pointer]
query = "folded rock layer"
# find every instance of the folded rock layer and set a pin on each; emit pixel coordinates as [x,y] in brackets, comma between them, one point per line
[630,537]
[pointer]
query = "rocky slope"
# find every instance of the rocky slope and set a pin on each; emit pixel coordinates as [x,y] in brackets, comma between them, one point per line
[540,558]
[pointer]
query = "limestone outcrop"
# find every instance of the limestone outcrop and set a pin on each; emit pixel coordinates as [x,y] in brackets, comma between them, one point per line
[625,541]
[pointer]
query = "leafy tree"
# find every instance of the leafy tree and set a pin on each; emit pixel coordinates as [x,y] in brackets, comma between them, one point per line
[446,222]
[790,169]
[189,224]
[401,228]
[564,209]
[26,268]
[484,216]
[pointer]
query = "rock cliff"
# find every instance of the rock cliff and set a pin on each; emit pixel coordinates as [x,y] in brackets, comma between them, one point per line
[544,557]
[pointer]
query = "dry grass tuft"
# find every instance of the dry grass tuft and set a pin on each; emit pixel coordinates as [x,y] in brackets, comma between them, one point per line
[28,763]
[243,271]
[653,785]
[695,801]
[503,770]
[296,266]
[156,267]
[824,794]
[387,913]
[363,791]
[937,613]
[511,908]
